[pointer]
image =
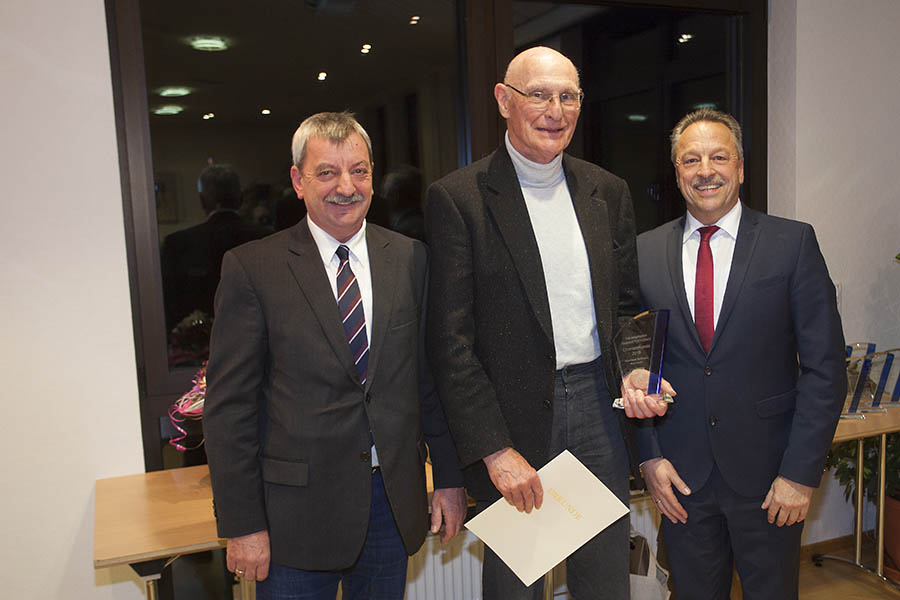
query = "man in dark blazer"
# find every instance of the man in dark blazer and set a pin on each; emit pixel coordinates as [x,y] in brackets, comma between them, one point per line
[317,441]
[756,352]
[533,264]
[192,258]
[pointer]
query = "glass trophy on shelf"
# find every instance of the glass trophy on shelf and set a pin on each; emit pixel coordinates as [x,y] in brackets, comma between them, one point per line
[859,391]
[640,346]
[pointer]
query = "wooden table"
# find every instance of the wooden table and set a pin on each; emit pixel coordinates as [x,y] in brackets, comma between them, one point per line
[144,520]
[872,424]
[147,519]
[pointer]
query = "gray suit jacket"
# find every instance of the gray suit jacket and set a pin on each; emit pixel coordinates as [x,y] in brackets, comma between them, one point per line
[286,418]
[765,400]
[490,336]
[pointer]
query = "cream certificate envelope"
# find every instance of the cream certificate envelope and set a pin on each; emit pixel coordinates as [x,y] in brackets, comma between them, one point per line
[577,506]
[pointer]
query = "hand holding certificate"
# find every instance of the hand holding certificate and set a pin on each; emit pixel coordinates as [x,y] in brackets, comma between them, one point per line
[577,506]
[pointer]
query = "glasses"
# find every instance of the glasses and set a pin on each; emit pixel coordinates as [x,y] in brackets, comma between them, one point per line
[543,98]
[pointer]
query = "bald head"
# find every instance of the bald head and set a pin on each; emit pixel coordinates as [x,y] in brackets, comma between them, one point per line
[539,58]
[531,98]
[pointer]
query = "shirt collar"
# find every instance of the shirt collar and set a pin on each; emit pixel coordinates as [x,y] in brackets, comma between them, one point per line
[728,223]
[328,245]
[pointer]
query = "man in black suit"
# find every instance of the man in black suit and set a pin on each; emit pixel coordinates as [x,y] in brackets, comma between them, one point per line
[533,264]
[756,352]
[192,258]
[316,440]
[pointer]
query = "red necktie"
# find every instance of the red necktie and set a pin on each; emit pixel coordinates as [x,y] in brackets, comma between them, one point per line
[703,289]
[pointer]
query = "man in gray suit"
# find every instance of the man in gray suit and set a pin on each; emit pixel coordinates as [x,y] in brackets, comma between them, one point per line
[534,262]
[316,439]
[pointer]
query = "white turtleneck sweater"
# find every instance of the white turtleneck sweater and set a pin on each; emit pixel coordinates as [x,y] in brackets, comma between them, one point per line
[563,258]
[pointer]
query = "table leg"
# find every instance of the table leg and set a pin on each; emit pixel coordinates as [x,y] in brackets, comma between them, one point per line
[879,538]
[150,589]
[857,532]
[150,572]
[248,589]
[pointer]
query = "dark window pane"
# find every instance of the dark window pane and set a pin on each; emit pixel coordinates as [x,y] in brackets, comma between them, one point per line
[243,104]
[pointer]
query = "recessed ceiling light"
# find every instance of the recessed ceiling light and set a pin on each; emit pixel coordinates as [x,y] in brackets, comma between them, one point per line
[208,43]
[322,76]
[685,37]
[414,20]
[366,48]
[209,116]
[266,111]
[168,109]
[637,118]
[174,92]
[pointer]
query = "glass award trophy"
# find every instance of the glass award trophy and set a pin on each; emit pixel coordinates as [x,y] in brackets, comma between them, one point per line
[640,346]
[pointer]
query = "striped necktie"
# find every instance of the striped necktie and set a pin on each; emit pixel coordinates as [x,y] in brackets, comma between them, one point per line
[351,309]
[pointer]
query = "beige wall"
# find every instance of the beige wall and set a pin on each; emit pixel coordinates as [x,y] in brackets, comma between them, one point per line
[833,133]
[70,402]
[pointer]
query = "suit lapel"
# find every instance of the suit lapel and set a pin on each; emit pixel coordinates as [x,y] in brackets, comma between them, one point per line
[593,220]
[383,270]
[305,264]
[674,249]
[507,206]
[748,233]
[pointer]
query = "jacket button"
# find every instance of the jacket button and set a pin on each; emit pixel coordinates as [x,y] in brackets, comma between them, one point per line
[365,456]
[548,403]
[707,370]
[713,420]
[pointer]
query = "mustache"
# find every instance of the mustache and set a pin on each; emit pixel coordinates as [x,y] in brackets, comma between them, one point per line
[342,200]
[711,180]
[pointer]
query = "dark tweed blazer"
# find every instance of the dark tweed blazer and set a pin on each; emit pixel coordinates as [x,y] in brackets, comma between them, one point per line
[490,338]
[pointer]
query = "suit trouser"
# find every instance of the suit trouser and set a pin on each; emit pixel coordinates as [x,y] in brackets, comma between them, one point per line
[585,423]
[725,530]
[379,572]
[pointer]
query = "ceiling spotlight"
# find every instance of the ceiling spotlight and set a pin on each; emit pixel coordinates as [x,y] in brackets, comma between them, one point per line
[685,37]
[366,48]
[209,116]
[168,109]
[637,118]
[208,43]
[174,92]
[414,20]
[266,111]
[322,76]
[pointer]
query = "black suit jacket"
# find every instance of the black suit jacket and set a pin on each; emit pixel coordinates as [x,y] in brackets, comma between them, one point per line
[766,399]
[490,337]
[286,418]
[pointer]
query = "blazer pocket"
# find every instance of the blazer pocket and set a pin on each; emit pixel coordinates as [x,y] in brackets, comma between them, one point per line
[284,472]
[776,405]
[766,282]
[404,317]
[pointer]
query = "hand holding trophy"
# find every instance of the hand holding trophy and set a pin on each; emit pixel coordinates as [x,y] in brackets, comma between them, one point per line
[640,347]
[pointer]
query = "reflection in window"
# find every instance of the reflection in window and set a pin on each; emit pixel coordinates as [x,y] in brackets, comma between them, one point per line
[227,84]
[641,71]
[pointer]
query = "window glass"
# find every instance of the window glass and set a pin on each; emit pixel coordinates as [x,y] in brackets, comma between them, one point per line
[222,116]
[641,70]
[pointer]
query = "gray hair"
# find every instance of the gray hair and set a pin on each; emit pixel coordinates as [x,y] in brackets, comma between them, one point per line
[333,126]
[713,116]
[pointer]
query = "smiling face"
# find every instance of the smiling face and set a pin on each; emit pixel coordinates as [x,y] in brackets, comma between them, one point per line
[335,183]
[539,133]
[709,170]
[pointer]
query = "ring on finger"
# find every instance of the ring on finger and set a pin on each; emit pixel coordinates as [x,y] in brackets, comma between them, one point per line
[239,572]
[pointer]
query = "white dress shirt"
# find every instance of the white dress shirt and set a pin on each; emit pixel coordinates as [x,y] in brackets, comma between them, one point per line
[722,246]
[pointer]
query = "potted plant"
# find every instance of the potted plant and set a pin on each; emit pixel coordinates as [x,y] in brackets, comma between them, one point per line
[842,458]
